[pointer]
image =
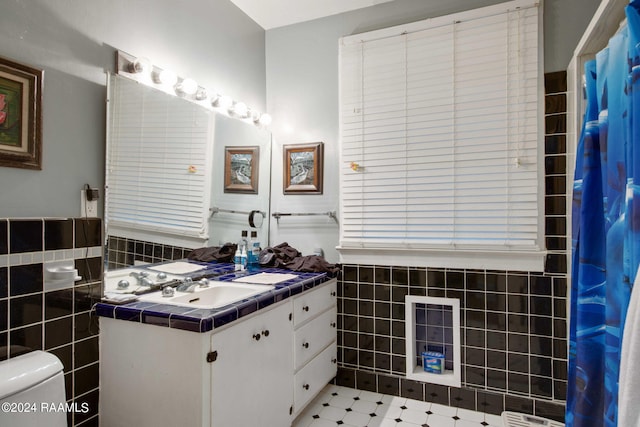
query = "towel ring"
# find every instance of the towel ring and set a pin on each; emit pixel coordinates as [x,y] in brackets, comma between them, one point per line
[255,221]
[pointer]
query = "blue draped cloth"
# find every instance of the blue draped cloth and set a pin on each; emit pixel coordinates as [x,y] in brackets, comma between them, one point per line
[606,227]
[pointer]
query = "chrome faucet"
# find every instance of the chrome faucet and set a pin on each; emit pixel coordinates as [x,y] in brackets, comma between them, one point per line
[187,285]
[142,277]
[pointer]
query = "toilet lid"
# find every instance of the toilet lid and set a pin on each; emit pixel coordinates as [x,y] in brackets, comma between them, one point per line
[21,372]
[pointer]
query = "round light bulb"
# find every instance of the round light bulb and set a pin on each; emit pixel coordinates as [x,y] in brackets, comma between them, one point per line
[222,101]
[140,65]
[188,86]
[265,119]
[201,94]
[166,77]
[240,109]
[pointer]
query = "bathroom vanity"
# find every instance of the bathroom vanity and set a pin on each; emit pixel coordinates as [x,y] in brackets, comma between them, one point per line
[258,361]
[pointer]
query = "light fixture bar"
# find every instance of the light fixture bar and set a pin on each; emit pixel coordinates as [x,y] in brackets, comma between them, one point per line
[143,71]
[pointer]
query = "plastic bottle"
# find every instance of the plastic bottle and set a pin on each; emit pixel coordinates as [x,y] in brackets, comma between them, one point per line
[244,240]
[254,251]
[237,259]
[243,259]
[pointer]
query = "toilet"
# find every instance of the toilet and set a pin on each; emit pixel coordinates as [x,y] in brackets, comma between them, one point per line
[32,391]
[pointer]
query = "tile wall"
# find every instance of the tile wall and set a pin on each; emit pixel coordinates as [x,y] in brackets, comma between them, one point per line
[123,252]
[37,316]
[514,341]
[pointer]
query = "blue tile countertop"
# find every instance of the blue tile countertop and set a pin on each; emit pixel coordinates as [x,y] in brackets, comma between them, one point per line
[205,320]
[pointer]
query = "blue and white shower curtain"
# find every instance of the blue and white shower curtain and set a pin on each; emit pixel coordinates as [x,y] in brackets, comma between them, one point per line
[606,227]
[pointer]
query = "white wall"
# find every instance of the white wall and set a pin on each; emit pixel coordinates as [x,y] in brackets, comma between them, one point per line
[302,94]
[74,42]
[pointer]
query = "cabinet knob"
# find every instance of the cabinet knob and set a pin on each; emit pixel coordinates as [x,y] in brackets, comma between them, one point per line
[265,333]
[306,386]
[305,308]
[334,361]
[256,337]
[333,294]
[305,345]
[333,324]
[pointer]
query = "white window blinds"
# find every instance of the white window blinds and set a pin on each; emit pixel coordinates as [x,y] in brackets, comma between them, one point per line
[439,132]
[158,161]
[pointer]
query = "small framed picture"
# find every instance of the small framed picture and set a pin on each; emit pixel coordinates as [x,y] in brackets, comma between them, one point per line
[303,165]
[20,115]
[241,169]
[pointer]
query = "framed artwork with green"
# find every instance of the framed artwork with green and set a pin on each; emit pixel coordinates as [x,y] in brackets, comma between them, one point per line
[20,115]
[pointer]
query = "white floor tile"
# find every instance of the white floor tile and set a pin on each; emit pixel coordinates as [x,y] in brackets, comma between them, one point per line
[495,420]
[347,392]
[322,423]
[468,415]
[418,405]
[356,419]
[340,401]
[443,410]
[394,400]
[414,416]
[356,412]
[370,396]
[440,421]
[381,422]
[391,412]
[331,413]
[303,421]
[364,406]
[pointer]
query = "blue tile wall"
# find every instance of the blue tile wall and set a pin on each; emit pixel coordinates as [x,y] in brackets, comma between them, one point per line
[123,252]
[60,321]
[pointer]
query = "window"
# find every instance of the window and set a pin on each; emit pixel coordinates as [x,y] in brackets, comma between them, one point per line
[440,123]
[158,161]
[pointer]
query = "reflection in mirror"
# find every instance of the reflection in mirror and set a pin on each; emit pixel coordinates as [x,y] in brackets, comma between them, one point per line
[165,176]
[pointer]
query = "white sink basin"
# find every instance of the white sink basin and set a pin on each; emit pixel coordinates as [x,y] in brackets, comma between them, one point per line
[218,294]
[113,277]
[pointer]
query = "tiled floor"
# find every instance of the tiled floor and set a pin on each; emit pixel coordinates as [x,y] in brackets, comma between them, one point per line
[347,407]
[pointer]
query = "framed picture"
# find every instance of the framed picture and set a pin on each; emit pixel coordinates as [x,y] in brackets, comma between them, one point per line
[303,165]
[241,169]
[20,115]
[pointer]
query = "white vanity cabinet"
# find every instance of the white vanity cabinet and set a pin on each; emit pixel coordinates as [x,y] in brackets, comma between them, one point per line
[260,370]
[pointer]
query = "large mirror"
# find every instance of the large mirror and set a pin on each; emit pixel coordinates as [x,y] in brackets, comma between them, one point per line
[179,176]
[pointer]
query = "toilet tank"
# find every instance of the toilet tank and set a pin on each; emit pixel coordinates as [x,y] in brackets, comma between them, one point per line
[32,391]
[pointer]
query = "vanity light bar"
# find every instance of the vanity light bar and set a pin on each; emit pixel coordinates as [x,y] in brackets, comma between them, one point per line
[143,71]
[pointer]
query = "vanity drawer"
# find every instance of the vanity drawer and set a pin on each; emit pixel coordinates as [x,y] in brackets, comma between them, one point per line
[315,335]
[314,302]
[313,377]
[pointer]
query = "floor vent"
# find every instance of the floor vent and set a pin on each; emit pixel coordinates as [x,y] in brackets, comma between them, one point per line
[516,419]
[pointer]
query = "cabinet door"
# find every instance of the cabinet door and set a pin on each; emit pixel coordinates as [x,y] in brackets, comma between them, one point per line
[251,382]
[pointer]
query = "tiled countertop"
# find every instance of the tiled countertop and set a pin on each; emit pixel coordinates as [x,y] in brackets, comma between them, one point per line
[204,320]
